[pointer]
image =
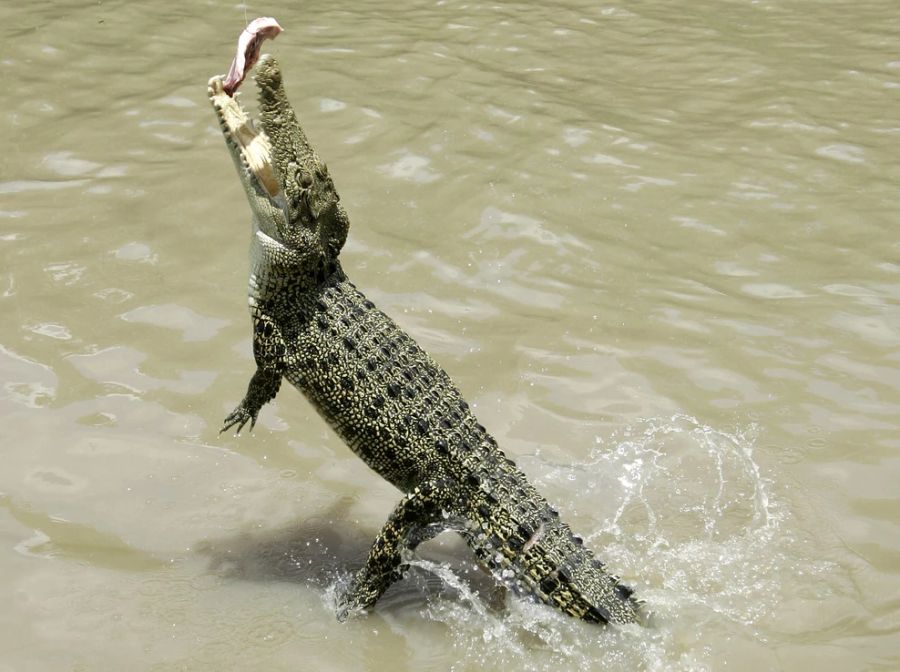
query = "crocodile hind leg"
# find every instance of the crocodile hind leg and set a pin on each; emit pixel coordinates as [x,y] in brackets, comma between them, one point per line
[416,519]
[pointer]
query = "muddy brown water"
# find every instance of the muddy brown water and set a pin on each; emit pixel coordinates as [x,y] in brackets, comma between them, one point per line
[654,243]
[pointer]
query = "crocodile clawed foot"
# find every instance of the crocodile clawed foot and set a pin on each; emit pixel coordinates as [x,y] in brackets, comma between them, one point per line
[239,416]
[349,606]
[495,600]
[364,590]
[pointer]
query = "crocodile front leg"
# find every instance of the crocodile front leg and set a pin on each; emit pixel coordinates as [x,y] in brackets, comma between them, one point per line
[268,351]
[416,519]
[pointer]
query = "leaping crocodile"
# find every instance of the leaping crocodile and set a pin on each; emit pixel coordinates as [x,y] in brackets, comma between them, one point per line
[385,396]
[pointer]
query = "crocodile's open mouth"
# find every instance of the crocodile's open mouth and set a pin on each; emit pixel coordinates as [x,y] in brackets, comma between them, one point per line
[244,140]
[250,148]
[295,207]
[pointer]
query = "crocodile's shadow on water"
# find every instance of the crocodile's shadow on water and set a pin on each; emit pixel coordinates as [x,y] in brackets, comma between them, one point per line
[326,548]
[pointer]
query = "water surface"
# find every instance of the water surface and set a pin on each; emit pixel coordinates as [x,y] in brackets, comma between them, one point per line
[655,245]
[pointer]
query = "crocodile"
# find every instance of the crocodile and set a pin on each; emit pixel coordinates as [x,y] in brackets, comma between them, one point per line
[379,390]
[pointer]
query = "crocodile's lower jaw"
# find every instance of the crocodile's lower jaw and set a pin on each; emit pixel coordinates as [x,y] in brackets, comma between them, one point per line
[242,137]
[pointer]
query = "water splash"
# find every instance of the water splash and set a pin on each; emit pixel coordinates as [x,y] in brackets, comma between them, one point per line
[695,524]
[695,518]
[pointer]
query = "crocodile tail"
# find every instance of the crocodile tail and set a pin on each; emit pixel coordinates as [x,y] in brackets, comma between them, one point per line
[521,539]
[554,566]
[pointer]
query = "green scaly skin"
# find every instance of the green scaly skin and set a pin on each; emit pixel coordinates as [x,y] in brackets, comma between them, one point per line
[389,401]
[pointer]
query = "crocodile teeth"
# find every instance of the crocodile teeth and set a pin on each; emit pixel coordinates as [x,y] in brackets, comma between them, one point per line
[254,146]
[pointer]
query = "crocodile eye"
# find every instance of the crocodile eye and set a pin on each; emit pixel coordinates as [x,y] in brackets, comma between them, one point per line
[303,178]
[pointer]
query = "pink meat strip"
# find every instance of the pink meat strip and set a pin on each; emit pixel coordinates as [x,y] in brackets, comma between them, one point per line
[249,44]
